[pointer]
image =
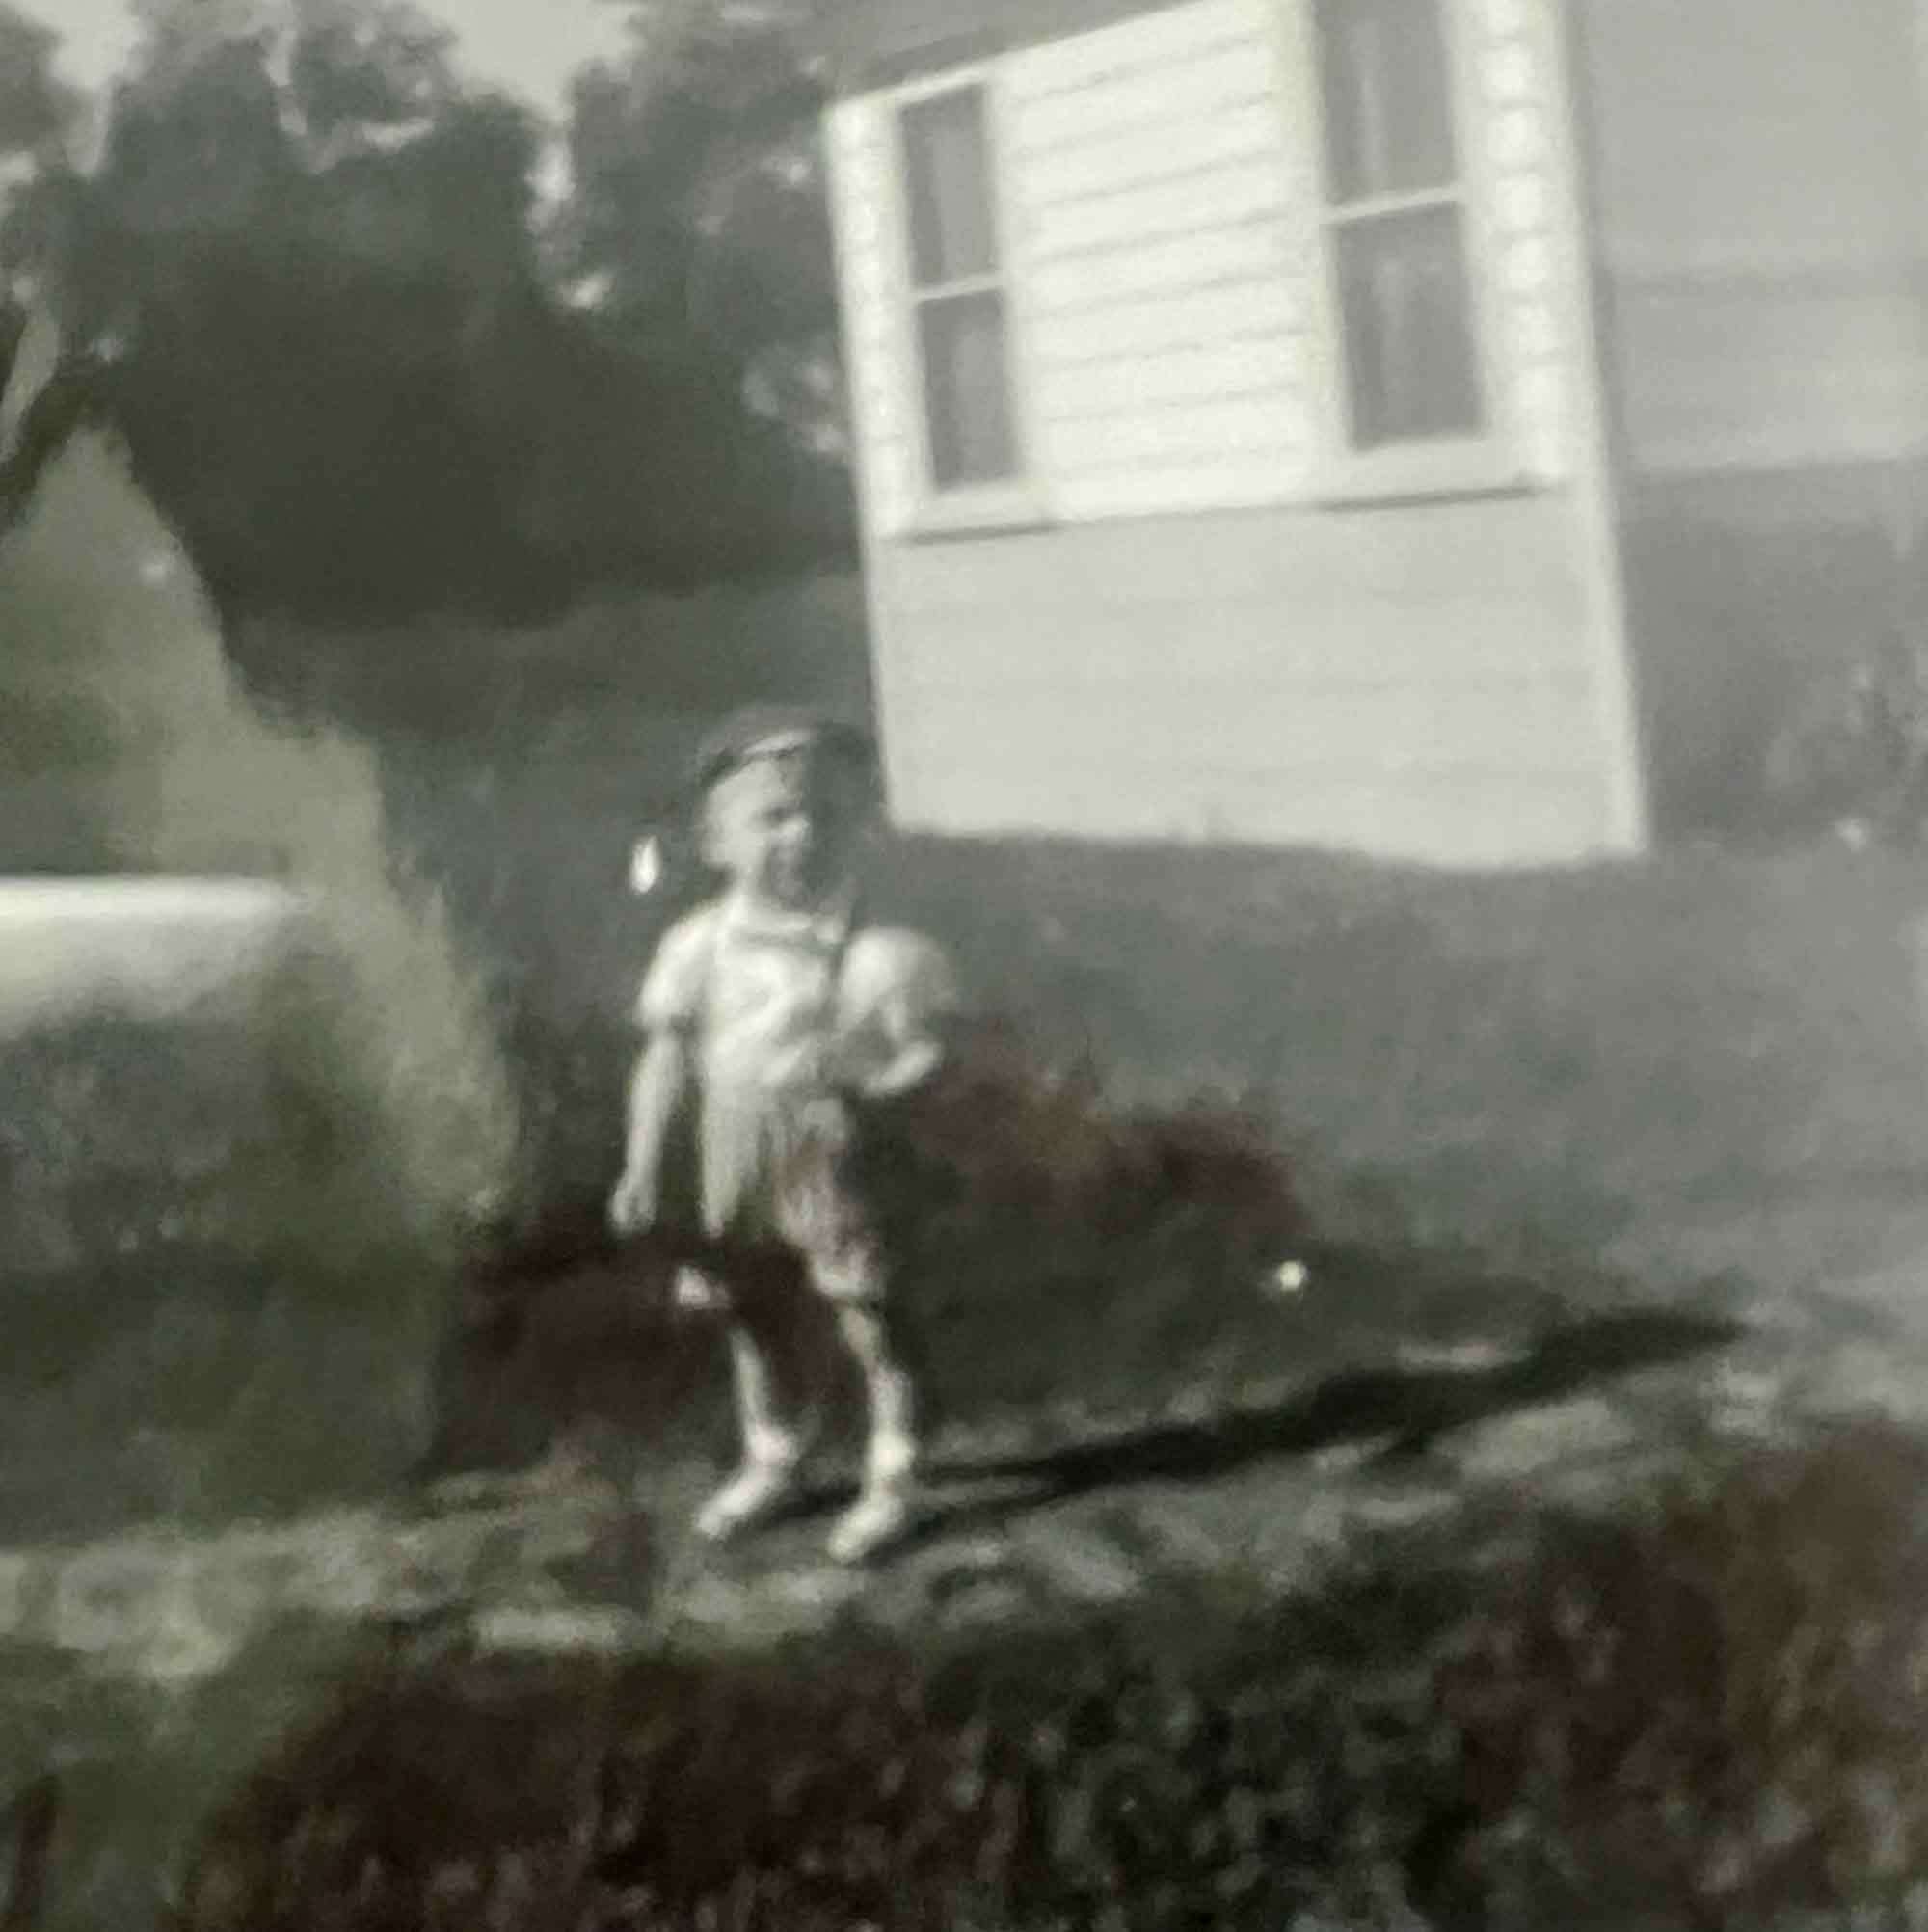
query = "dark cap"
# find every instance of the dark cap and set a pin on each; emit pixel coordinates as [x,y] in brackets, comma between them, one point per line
[758,731]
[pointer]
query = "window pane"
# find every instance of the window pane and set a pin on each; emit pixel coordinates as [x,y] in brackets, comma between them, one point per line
[967,391]
[1407,313]
[1388,96]
[948,163]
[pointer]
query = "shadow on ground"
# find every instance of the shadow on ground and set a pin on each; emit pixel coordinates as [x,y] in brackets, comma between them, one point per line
[1407,1410]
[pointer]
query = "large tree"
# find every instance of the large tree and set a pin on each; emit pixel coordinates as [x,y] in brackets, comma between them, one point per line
[42,120]
[367,368]
[698,204]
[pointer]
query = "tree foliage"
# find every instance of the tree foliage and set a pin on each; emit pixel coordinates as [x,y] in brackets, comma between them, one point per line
[36,109]
[370,361]
[699,197]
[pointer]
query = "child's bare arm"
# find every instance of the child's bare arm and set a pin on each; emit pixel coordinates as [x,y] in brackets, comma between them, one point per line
[660,1090]
[916,1005]
[916,1062]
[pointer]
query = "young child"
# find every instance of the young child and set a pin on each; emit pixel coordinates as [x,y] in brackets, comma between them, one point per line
[773,1015]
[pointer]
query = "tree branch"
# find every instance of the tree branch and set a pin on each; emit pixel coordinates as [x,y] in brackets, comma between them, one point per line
[67,400]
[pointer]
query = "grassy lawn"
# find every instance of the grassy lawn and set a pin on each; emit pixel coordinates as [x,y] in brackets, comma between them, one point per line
[1710,1064]
[1703,1711]
[1490,1102]
[1703,1063]
[1480,1104]
[1636,1063]
[1486,1108]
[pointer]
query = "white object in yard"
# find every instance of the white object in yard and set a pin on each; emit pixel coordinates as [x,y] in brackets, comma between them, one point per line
[1289,1278]
[152,946]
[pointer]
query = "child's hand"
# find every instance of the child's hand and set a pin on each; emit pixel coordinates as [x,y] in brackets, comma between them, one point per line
[806,1067]
[911,1068]
[855,1068]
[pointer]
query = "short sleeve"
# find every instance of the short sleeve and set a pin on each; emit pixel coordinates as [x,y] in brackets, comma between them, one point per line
[672,990]
[904,982]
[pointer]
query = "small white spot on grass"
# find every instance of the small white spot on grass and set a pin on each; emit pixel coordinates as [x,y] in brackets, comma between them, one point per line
[1288,1279]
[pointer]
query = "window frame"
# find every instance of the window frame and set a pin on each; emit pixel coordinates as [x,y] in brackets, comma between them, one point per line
[1015,501]
[1488,460]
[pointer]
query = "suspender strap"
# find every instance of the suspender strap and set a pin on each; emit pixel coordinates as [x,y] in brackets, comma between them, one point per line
[833,978]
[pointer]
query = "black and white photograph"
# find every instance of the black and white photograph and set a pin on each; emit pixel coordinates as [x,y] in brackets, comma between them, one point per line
[964,965]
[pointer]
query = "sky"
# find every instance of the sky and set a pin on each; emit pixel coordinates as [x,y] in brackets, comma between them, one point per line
[528,47]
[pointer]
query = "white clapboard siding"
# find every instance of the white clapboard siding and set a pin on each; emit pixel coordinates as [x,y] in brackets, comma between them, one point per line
[1239,191]
[1245,733]
[1413,681]
[1164,257]
[1162,240]
[1251,252]
[1142,100]
[1428,563]
[1243,366]
[1190,432]
[1216,316]
[1114,164]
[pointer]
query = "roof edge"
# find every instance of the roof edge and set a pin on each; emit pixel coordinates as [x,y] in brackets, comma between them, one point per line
[881,43]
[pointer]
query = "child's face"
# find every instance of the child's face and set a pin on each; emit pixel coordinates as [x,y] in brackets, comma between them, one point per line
[782,828]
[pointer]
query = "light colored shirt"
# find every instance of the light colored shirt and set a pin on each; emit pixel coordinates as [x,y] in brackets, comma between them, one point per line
[774,1002]
[778,1010]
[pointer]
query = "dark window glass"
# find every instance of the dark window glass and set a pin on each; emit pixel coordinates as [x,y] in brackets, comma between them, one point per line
[1387,96]
[947,154]
[967,391]
[1411,357]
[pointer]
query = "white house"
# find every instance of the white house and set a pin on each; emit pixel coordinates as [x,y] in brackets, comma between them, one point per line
[1440,428]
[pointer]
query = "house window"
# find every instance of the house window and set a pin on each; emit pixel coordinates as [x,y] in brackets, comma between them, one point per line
[1396,219]
[957,291]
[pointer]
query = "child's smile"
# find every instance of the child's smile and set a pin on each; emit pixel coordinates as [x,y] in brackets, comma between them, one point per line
[774,831]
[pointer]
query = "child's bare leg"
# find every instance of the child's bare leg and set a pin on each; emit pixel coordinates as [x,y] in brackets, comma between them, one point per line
[773,1437]
[880,1342]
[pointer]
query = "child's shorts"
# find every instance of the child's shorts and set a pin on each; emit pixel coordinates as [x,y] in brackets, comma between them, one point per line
[855,1280]
[791,1185]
